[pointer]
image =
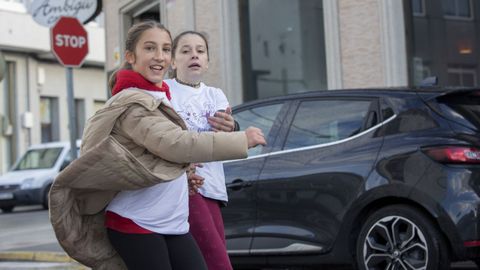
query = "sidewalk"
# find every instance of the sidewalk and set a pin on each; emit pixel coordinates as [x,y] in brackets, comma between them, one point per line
[37,260]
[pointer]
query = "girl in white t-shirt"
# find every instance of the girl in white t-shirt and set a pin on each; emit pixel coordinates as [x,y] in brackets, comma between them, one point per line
[148,227]
[203,108]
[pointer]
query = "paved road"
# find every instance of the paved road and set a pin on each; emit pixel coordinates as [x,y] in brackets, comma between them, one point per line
[28,229]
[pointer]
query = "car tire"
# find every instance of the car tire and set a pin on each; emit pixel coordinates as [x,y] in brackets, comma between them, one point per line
[400,237]
[7,209]
[45,197]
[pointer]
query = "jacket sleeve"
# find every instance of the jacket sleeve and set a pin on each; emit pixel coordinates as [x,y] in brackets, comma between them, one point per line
[162,137]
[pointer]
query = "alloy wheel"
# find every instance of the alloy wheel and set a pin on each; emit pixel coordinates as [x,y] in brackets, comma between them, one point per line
[395,243]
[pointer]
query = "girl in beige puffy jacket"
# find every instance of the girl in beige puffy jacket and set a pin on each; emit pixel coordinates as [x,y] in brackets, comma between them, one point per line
[124,203]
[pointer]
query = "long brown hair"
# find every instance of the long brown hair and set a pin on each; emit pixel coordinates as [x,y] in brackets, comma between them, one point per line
[173,73]
[133,36]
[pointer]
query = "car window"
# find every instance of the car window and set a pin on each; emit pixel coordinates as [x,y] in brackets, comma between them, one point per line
[262,117]
[464,106]
[39,159]
[324,121]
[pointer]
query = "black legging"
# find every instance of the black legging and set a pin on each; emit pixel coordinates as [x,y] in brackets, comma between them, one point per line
[157,251]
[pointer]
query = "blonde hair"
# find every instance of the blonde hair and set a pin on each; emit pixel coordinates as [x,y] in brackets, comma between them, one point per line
[133,36]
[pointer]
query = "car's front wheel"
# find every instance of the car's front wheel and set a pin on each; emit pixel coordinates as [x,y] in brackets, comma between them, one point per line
[400,237]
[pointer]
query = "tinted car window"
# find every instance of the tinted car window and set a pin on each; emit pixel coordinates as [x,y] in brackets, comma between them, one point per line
[262,117]
[466,106]
[324,121]
[39,159]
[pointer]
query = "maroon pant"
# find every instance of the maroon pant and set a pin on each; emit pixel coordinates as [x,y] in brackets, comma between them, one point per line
[206,226]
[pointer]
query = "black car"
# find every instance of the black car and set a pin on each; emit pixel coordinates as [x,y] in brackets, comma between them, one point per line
[377,178]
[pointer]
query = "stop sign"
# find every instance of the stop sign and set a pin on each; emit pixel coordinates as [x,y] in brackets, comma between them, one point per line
[69,41]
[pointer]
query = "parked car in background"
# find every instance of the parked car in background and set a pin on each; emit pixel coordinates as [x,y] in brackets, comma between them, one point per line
[381,178]
[30,179]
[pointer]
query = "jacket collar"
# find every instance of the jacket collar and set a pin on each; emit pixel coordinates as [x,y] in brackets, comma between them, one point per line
[136,95]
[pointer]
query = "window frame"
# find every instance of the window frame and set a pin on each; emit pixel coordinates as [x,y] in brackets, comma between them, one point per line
[54,125]
[458,17]
[461,71]
[423,13]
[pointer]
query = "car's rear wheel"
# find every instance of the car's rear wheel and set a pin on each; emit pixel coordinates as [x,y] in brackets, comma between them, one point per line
[45,197]
[400,237]
[477,262]
[7,209]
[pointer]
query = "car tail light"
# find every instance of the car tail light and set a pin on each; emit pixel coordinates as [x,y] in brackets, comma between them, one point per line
[471,243]
[454,154]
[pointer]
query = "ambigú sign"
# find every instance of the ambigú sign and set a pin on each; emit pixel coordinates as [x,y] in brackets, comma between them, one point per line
[47,12]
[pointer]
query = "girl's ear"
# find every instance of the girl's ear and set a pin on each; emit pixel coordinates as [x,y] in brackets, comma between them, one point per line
[130,57]
[173,65]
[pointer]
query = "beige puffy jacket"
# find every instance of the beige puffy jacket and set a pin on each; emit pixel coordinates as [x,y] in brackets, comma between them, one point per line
[135,141]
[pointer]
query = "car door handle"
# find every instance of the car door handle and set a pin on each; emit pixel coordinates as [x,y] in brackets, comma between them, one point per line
[238,184]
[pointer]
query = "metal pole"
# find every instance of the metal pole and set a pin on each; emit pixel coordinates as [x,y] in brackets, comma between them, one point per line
[71,114]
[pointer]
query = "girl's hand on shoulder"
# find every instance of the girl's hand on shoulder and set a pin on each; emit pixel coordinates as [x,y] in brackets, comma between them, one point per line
[195,181]
[222,121]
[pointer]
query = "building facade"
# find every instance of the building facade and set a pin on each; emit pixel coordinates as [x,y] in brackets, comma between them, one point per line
[33,92]
[262,48]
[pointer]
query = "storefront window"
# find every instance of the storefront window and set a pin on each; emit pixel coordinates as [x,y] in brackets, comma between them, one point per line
[283,47]
[445,42]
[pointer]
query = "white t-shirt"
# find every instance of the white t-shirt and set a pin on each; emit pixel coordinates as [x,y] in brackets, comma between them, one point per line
[162,208]
[195,105]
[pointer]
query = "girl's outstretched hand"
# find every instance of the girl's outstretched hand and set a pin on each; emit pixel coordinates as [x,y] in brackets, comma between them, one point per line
[255,137]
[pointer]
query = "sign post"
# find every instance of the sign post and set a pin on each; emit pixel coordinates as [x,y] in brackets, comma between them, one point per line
[70,45]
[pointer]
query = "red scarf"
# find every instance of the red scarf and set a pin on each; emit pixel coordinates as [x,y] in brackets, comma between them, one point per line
[128,78]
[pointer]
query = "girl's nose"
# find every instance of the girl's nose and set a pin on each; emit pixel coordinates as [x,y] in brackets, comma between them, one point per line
[159,55]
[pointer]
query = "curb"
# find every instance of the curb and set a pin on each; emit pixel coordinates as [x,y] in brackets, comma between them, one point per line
[35,256]
[40,256]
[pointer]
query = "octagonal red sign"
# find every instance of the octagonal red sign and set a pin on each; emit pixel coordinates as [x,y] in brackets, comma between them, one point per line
[69,41]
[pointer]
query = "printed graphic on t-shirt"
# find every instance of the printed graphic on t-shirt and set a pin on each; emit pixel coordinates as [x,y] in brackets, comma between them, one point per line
[197,120]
